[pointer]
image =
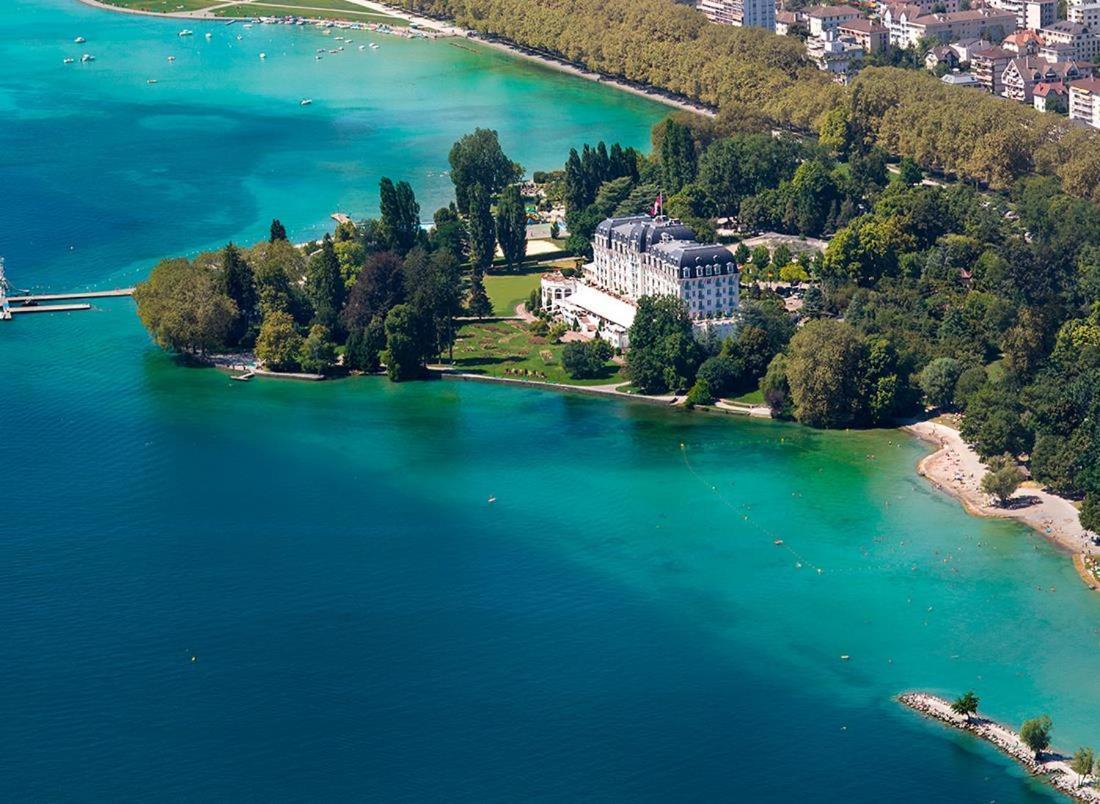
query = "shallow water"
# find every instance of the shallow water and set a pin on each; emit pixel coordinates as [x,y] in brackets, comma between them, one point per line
[618,625]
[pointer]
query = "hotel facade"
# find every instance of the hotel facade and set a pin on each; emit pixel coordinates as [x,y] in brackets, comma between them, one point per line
[640,255]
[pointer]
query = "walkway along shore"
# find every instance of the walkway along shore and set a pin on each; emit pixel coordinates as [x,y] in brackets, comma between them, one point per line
[957,469]
[1053,766]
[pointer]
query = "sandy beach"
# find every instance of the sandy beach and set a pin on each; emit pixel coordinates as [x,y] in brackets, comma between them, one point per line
[1053,765]
[957,469]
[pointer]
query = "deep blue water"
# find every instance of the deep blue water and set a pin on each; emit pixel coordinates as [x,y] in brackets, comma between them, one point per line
[223,591]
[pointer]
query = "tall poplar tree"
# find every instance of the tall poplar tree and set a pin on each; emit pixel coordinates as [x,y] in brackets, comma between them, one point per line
[483,239]
[325,285]
[512,225]
[400,215]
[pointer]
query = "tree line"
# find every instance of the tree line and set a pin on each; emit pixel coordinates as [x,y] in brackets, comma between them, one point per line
[759,80]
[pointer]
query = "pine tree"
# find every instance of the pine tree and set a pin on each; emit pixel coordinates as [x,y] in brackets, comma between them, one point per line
[278,231]
[478,304]
[240,286]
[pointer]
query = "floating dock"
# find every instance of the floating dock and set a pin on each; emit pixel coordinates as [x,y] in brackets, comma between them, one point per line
[49,308]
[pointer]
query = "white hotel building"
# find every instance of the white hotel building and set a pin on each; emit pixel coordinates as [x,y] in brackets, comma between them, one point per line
[645,256]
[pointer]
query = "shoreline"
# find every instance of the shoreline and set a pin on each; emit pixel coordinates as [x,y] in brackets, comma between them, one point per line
[450,30]
[956,469]
[1054,767]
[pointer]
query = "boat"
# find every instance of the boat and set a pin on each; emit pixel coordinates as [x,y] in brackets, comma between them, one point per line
[80,40]
[318,57]
[777,542]
[209,35]
[186,32]
[374,46]
[492,500]
[171,58]
[69,59]
[305,101]
[87,57]
[151,81]
[248,25]
[362,47]
[263,55]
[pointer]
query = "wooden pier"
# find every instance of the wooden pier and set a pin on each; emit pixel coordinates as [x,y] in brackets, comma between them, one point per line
[49,308]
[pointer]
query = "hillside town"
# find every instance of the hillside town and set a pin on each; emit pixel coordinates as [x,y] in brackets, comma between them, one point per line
[1016,49]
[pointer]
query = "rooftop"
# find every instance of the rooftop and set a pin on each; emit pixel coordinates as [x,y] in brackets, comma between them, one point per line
[830,11]
[1090,85]
[863,26]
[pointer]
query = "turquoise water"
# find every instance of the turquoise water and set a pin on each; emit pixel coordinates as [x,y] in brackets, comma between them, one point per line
[618,625]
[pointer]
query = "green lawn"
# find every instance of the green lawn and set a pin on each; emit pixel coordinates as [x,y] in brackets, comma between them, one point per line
[163,6]
[508,349]
[751,398]
[507,290]
[334,10]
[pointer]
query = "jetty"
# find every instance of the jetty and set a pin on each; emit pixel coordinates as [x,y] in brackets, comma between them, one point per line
[1054,767]
[26,302]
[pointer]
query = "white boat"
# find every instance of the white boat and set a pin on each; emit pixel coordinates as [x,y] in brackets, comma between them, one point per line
[263,55]
[248,25]
[305,101]
[209,35]
[186,32]
[171,58]
[80,40]
[151,81]
[87,57]
[362,47]
[374,46]
[69,59]
[318,57]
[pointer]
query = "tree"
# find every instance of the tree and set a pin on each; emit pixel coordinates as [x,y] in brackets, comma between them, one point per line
[721,373]
[1035,734]
[938,379]
[677,156]
[405,351]
[435,293]
[379,288]
[663,353]
[965,705]
[1002,479]
[278,231]
[183,309]
[279,345]
[478,303]
[478,159]
[909,171]
[239,285]
[364,347]
[318,352]
[483,239]
[1082,763]
[400,215]
[325,285]
[278,269]
[825,373]
[776,389]
[700,394]
[585,359]
[511,225]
